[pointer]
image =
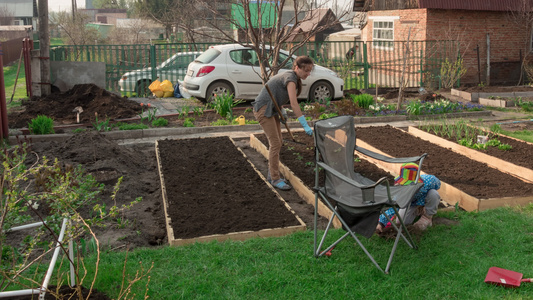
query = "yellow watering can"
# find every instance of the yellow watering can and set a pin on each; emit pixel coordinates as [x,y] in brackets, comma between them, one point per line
[241,120]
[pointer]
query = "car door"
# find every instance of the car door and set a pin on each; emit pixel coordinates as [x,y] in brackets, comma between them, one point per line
[174,69]
[243,68]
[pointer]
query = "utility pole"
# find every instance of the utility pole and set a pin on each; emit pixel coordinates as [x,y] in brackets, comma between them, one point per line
[44,48]
[74,12]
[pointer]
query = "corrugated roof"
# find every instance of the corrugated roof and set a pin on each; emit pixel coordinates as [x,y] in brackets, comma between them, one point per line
[494,5]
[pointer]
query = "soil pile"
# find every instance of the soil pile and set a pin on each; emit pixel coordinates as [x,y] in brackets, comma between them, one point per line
[60,106]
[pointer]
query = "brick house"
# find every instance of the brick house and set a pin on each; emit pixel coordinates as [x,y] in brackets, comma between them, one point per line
[491,36]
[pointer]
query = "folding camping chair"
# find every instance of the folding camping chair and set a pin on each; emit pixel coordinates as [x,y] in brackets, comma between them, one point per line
[354,199]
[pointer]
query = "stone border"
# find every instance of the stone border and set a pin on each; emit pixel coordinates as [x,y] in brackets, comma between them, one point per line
[238,236]
[177,131]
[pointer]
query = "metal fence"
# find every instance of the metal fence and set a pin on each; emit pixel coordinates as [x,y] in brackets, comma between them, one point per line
[360,64]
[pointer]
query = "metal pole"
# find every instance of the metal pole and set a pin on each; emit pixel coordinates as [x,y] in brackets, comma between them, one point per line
[3,106]
[488,59]
[478,65]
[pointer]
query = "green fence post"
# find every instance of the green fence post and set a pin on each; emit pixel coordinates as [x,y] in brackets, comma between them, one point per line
[153,62]
[365,63]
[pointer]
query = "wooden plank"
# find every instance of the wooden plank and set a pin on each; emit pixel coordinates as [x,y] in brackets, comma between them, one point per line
[501,165]
[303,191]
[239,236]
[170,231]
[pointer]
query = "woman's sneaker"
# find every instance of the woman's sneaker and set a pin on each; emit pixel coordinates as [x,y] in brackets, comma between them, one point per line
[281,184]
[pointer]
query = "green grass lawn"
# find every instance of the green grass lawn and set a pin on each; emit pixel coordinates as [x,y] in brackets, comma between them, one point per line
[10,75]
[451,263]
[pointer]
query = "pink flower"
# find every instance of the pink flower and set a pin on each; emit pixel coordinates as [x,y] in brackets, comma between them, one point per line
[434,95]
[149,105]
[142,104]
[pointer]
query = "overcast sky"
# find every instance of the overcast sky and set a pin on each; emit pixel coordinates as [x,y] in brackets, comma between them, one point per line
[61,5]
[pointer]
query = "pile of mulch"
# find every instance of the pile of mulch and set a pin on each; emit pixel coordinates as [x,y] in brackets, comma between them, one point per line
[59,106]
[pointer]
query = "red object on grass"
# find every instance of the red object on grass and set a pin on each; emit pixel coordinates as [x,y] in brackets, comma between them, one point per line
[506,278]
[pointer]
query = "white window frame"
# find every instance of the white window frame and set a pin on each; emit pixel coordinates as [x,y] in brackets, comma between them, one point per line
[380,27]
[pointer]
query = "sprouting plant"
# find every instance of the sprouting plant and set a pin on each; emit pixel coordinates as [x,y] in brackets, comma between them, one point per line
[290,148]
[363,100]
[356,159]
[505,147]
[198,110]
[327,116]
[248,110]
[189,122]
[41,125]
[298,156]
[160,122]
[309,164]
[101,125]
[224,104]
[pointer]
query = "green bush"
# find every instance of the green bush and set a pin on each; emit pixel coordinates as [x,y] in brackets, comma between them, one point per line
[363,100]
[41,125]
[160,122]
[189,122]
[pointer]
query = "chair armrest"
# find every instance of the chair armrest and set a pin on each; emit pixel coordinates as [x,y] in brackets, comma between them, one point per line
[349,180]
[399,160]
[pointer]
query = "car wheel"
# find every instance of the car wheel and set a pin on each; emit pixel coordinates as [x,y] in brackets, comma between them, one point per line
[218,88]
[142,88]
[321,91]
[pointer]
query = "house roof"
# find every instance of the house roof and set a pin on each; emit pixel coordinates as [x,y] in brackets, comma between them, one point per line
[317,17]
[494,5]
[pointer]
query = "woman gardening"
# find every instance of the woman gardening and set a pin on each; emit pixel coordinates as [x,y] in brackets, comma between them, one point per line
[285,87]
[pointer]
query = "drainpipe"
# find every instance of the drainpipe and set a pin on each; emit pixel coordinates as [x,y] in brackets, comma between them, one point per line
[488,59]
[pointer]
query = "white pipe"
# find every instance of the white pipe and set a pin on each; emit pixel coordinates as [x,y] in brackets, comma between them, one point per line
[71,256]
[46,280]
[27,226]
[19,293]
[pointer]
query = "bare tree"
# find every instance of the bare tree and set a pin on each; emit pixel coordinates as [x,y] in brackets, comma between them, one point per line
[74,32]
[523,20]
[263,26]
[131,33]
[6,16]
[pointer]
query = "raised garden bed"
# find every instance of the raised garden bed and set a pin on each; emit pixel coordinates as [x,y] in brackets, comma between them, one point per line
[496,102]
[517,161]
[474,93]
[472,184]
[297,165]
[217,195]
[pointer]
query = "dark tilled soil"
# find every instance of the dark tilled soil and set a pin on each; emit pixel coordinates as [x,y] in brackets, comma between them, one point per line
[521,154]
[473,178]
[107,161]
[497,89]
[60,106]
[213,189]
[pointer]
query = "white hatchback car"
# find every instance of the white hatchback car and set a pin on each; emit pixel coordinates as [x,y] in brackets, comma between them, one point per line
[234,69]
[172,69]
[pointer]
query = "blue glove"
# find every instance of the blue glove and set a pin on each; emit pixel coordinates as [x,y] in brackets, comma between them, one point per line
[306,127]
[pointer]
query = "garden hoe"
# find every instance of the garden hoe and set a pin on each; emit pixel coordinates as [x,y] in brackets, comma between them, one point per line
[506,278]
[282,118]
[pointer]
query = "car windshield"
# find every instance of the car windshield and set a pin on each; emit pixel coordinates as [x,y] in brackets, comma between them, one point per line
[208,56]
